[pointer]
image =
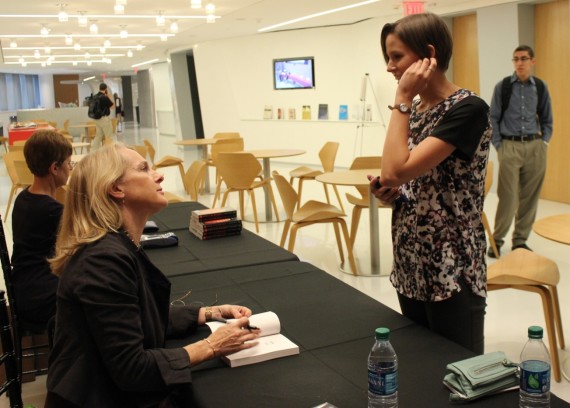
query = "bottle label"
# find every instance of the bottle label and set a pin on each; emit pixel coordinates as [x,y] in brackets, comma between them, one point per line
[382,383]
[535,376]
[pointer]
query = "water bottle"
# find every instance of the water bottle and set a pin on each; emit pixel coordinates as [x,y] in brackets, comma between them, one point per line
[535,371]
[382,372]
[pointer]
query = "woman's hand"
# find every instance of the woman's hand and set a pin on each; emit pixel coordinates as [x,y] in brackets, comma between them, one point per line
[228,339]
[386,195]
[234,311]
[415,79]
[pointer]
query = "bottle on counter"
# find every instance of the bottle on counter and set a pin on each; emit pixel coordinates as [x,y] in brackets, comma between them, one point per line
[535,371]
[382,372]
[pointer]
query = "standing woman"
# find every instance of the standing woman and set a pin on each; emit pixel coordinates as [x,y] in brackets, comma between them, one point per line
[113,304]
[435,156]
[118,111]
[35,222]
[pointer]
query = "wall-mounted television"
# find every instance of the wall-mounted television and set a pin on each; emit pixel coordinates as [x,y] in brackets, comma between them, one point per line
[294,73]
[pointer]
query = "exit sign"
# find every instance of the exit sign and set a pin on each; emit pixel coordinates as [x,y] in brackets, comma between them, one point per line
[413,7]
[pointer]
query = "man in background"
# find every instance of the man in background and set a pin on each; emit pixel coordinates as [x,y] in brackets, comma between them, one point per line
[521,116]
[103,124]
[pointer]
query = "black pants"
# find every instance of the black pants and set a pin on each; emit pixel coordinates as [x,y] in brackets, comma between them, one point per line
[460,318]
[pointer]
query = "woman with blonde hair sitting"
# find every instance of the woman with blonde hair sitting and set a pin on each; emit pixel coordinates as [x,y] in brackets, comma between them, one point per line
[113,304]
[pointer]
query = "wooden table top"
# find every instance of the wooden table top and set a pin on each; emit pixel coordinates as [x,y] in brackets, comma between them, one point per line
[555,228]
[348,177]
[81,126]
[270,153]
[196,142]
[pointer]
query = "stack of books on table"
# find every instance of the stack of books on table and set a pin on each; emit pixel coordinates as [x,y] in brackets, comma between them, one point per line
[215,223]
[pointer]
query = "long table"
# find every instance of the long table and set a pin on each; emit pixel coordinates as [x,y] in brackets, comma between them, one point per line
[332,323]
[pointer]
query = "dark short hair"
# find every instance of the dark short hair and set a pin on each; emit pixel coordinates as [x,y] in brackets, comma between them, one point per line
[526,48]
[102,86]
[418,31]
[44,148]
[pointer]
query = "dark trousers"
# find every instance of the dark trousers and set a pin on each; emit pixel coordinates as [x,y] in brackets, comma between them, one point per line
[460,318]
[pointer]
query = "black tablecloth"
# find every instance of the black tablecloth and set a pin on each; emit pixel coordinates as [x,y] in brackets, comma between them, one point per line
[193,255]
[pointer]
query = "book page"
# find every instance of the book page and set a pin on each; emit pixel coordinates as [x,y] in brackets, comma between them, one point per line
[267,322]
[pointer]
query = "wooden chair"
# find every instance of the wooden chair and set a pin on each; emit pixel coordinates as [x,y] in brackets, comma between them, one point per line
[17,146]
[223,146]
[327,155]
[4,141]
[193,178]
[312,212]
[114,124]
[525,270]
[140,149]
[364,162]
[239,171]
[19,173]
[166,161]
[11,386]
[488,184]
[61,193]
[227,135]
[91,133]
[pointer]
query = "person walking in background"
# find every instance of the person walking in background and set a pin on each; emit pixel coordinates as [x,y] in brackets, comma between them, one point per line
[521,116]
[103,124]
[35,222]
[118,111]
[433,172]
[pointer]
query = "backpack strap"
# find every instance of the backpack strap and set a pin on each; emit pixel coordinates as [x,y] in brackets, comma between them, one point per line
[507,90]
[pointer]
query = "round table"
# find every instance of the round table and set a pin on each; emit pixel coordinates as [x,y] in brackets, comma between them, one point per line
[266,155]
[556,228]
[359,178]
[202,145]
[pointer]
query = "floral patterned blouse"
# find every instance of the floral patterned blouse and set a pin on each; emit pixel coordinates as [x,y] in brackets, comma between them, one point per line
[437,233]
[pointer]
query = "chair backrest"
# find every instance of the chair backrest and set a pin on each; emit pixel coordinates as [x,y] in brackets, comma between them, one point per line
[150,149]
[25,176]
[8,359]
[288,194]
[238,170]
[9,161]
[7,273]
[66,125]
[16,148]
[193,178]
[489,177]
[365,162]
[19,143]
[61,193]
[227,135]
[327,154]
[226,146]
[91,132]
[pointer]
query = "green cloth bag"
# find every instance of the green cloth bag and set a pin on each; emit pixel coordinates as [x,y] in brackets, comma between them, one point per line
[479,376]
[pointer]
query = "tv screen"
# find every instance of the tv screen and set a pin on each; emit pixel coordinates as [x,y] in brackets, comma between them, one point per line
[294,73]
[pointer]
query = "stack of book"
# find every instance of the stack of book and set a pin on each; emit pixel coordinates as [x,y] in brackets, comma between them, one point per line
[215,223]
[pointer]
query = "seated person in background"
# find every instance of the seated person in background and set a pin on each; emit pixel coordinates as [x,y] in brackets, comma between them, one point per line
[113,304]
[35,222]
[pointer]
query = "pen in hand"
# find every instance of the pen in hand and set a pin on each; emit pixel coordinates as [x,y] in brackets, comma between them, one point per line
[222,320]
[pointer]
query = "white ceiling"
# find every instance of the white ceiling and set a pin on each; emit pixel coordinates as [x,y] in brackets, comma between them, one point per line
[237,18]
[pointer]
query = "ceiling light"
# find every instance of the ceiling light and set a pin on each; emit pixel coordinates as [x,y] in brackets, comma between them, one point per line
[119,8]
[160,20]
[210,18]
[102,50]
[93,29]
[24,63]
[174,27]
[196,4]
[87,55]
[362,3]
[43,63]
[13,44]
[48,62]
[210,8]
[82,20]
[37,54]
[139,47]
[47,49]
[68,39]
[123,33]
[129,54]
[62,16]
[106,43]
[44,31]
[21,59]
[77,46]
[89,63]
[163,37]
[74,63]
[144,63]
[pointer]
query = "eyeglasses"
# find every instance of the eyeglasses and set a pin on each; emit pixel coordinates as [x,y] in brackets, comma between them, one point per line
[72,164]
[180,300]
[522,59]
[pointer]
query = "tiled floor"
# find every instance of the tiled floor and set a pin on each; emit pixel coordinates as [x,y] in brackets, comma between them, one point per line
[509,312]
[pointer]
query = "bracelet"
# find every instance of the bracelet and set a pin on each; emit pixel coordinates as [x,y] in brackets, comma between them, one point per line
[208,313]
[212,347]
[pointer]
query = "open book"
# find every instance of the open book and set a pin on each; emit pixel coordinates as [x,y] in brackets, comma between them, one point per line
[271,344]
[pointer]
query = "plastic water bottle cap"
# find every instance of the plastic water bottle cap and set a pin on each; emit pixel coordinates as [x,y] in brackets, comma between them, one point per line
[535,332]
[383,333]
